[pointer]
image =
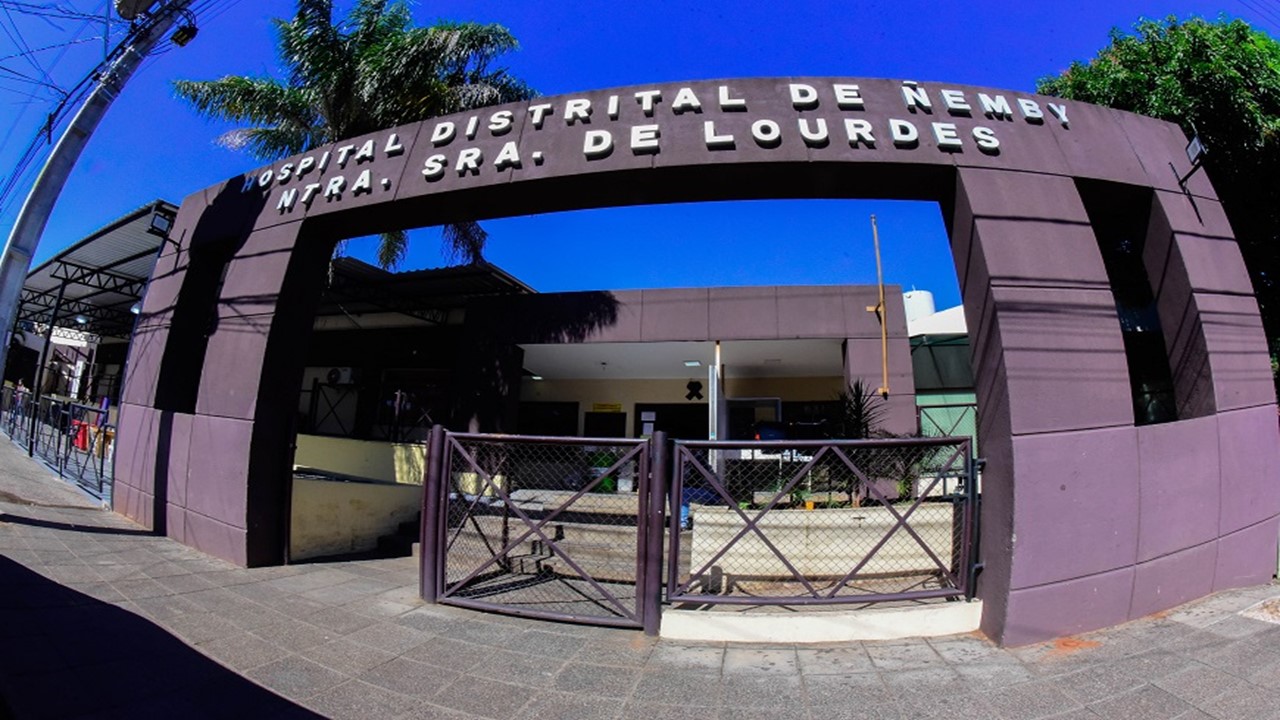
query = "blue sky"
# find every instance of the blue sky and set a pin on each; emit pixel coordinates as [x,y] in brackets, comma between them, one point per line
[152,145]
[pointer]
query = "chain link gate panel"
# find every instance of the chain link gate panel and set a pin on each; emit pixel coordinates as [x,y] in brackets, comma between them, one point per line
[544,526]
[820,522]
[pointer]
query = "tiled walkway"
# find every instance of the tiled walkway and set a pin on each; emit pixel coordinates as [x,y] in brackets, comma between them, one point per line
[100,619]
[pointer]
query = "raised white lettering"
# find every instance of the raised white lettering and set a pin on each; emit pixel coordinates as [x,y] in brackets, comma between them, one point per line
[955,102]
[946,136]
[508,156]
[1060,112]
[577,110]
[538,113]
[766,133]
[996,108]
[500,122]
[859,132]
[393,147]
[816,136]
[1031,111]
[848,97]
[803,97]
[904,134]
[334,188]
[647,100]
[363,183]
[916,98]
[433,168]
[469,161]
[287,199]
[344,153]
[685,101]
[366,152]
[442,133]
[644,139]
[987,140]
[730,104]
[714,141]
[597,144]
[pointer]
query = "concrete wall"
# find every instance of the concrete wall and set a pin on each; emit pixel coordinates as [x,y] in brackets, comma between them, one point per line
[335,518]
[403,463]
[630,392]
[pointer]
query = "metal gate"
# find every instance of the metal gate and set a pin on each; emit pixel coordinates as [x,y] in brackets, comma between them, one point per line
[547,527]
[821,522]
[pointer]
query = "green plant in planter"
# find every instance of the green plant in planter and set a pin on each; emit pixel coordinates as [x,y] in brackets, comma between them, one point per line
[600,461]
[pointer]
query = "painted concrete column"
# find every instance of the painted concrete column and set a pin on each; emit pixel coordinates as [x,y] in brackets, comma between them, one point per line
[1054,404]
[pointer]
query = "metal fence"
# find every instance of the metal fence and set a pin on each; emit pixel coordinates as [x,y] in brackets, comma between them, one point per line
[602,530]
[820,522]
[76,441]
[541,526]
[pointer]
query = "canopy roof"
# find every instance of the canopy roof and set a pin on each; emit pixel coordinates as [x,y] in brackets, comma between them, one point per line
[99,278]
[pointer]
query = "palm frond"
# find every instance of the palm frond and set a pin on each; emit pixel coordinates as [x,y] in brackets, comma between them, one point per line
[392,247]
[464,241]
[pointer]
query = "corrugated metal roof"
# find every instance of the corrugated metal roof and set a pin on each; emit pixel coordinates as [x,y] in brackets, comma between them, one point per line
[104,275]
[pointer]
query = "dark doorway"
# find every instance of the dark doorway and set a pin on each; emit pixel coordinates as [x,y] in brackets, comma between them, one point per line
[679,421]
[604,424]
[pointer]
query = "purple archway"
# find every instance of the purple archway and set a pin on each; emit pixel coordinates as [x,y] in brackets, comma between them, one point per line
[1089,518]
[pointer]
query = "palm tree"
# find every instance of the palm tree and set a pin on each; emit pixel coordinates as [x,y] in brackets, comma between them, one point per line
[370,71]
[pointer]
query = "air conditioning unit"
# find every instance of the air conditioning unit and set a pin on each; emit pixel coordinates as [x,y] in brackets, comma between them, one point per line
[340,376]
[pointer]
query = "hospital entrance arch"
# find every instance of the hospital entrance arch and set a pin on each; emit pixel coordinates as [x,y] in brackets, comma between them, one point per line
[1089,519]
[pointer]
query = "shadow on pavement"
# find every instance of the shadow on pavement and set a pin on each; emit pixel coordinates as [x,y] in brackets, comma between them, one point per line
[64,654]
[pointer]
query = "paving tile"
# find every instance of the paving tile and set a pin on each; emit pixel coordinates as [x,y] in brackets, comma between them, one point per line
[338,620]
[395,639]
[967,649]
[491,699]
[346,657]
[412,678]
[449,654]
[520,668]
[761,661]
[783,691]
[548,644]
[1144,703]
[201,627]
[598,680]
[1199,683]
[295,677]
[693,658]
[359,701]
[856,688]
[140,588]
[1248,703]
[184,583]
[1034,699]
[934,681]
[841,660]
[624,650]
[293,635]
[903,656]
[481,633]
[243,651]
[678,687]
[636,710]
[567,706]
[1096,683]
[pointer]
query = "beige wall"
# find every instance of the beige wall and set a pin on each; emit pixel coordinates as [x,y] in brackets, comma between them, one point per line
[402,463]
[334,518]
[629,392]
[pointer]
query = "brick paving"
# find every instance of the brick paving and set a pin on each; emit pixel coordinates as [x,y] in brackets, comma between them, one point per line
[100,619]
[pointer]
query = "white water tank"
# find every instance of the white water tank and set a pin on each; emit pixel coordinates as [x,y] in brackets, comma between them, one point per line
[918,304]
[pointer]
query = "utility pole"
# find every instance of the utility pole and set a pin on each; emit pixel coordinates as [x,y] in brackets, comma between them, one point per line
[31,220]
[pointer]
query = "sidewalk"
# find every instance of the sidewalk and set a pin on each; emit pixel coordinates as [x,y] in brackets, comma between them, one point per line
[99,619]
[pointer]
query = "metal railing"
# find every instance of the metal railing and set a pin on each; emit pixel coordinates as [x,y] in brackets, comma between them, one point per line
[542,526]
[820,522]
[75,440]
